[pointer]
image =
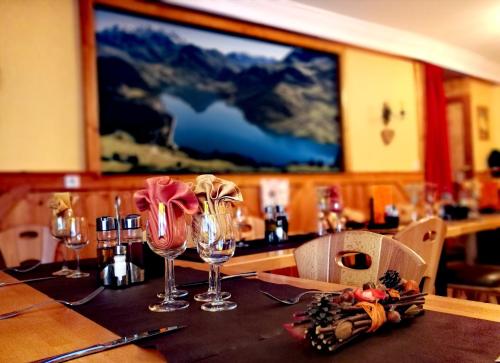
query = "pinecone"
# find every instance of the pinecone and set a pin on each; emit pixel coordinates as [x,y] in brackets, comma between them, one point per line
[319,312]
[391,279]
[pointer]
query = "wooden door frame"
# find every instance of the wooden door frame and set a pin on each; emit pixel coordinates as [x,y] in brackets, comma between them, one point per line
[468,146]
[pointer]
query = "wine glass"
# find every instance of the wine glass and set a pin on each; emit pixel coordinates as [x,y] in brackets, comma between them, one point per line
[176,293]
[166,236]
[77,238]
[214,235]
[59,229]
[243,226]
[430,196]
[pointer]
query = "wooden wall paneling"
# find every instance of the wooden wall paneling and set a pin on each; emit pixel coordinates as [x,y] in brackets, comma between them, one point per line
[97,193]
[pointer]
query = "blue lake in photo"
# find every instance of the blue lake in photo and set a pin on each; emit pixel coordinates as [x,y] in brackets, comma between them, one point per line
[223,128]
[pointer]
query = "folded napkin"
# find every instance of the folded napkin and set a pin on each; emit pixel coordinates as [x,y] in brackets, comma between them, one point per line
[60,203]
[219,194]
[177,198]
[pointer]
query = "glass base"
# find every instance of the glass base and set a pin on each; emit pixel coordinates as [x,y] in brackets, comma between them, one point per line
[77,275]
[64,271]
[219,306]
[210,296]
[166,306]
[175,293]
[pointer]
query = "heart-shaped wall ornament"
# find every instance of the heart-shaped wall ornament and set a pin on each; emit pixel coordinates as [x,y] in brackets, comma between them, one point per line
[387,135]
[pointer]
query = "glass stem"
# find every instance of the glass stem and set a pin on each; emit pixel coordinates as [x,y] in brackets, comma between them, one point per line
[172,273]
[77,252]
[168,280]
[211,280]
[64,255]
[217,283]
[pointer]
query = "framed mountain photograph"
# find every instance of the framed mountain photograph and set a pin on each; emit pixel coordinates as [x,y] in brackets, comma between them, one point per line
[179,98]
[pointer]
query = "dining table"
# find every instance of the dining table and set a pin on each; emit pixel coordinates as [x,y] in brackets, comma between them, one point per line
[450,329]
[260,256]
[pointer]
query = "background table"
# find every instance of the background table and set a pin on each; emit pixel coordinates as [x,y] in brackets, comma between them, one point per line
[283,257]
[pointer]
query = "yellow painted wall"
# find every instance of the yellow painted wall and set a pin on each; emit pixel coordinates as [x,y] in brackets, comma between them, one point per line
[40,86]
[495,117]
[370,80]
[483,94]
[41,96]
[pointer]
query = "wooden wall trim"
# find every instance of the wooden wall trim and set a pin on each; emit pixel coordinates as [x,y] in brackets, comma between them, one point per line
[89,80]
[47,181]
[97,192]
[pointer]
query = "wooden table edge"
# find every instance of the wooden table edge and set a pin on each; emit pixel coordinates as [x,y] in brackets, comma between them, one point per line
[31,295]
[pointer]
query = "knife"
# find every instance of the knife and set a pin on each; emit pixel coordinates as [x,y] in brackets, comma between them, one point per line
[109,345]
[227,277]
[2,284]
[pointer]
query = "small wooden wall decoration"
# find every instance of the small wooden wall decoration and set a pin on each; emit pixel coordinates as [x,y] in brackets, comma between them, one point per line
[483,123]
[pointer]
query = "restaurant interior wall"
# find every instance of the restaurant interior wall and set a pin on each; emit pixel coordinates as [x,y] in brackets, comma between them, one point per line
[41,103]
[370,80]
[41,121]
[480,94]
[484,95]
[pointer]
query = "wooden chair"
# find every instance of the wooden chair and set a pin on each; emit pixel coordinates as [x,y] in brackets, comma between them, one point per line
[28,242]
[321,258]
[474,282]
[426,237]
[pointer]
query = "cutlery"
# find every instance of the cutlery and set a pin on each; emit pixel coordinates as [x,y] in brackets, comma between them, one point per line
[2,284]
[26,269]
[86,299]
[227,277]
[294,300]
[108,345]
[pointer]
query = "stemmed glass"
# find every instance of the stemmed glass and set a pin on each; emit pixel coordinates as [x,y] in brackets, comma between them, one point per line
[76,239]
[243,227]
[59,229]
[176,293]
[430,196]
[158,235]
[214,235]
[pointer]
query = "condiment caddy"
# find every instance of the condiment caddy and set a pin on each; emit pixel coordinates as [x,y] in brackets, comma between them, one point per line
[121,249]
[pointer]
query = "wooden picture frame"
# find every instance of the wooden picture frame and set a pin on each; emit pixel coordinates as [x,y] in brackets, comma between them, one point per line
[483,122]
[183,16]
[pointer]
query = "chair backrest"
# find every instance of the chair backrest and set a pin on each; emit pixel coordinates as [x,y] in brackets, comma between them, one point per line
[426,237]
[321,258]
[27,242]
[254,228]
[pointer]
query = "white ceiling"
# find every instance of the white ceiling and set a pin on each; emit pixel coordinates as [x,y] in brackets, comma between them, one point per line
[460,35]
[469,24]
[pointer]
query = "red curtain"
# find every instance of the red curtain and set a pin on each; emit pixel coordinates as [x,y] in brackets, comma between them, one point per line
[437,152]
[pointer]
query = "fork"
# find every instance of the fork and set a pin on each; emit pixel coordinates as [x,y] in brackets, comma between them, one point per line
[82,301]
[294,300]
[27,269]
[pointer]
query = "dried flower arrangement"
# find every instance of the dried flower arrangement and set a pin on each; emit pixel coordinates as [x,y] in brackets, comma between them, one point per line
[332,321]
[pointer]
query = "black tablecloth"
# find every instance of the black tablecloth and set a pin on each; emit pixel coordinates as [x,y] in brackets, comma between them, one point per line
[254,333]
[256,246]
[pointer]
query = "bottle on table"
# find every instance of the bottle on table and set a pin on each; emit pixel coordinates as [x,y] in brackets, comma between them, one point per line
[281,223]
[270,225]
[323,225]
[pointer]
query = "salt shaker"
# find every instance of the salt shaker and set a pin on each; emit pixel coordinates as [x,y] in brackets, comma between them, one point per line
[132,238]
[106,242]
